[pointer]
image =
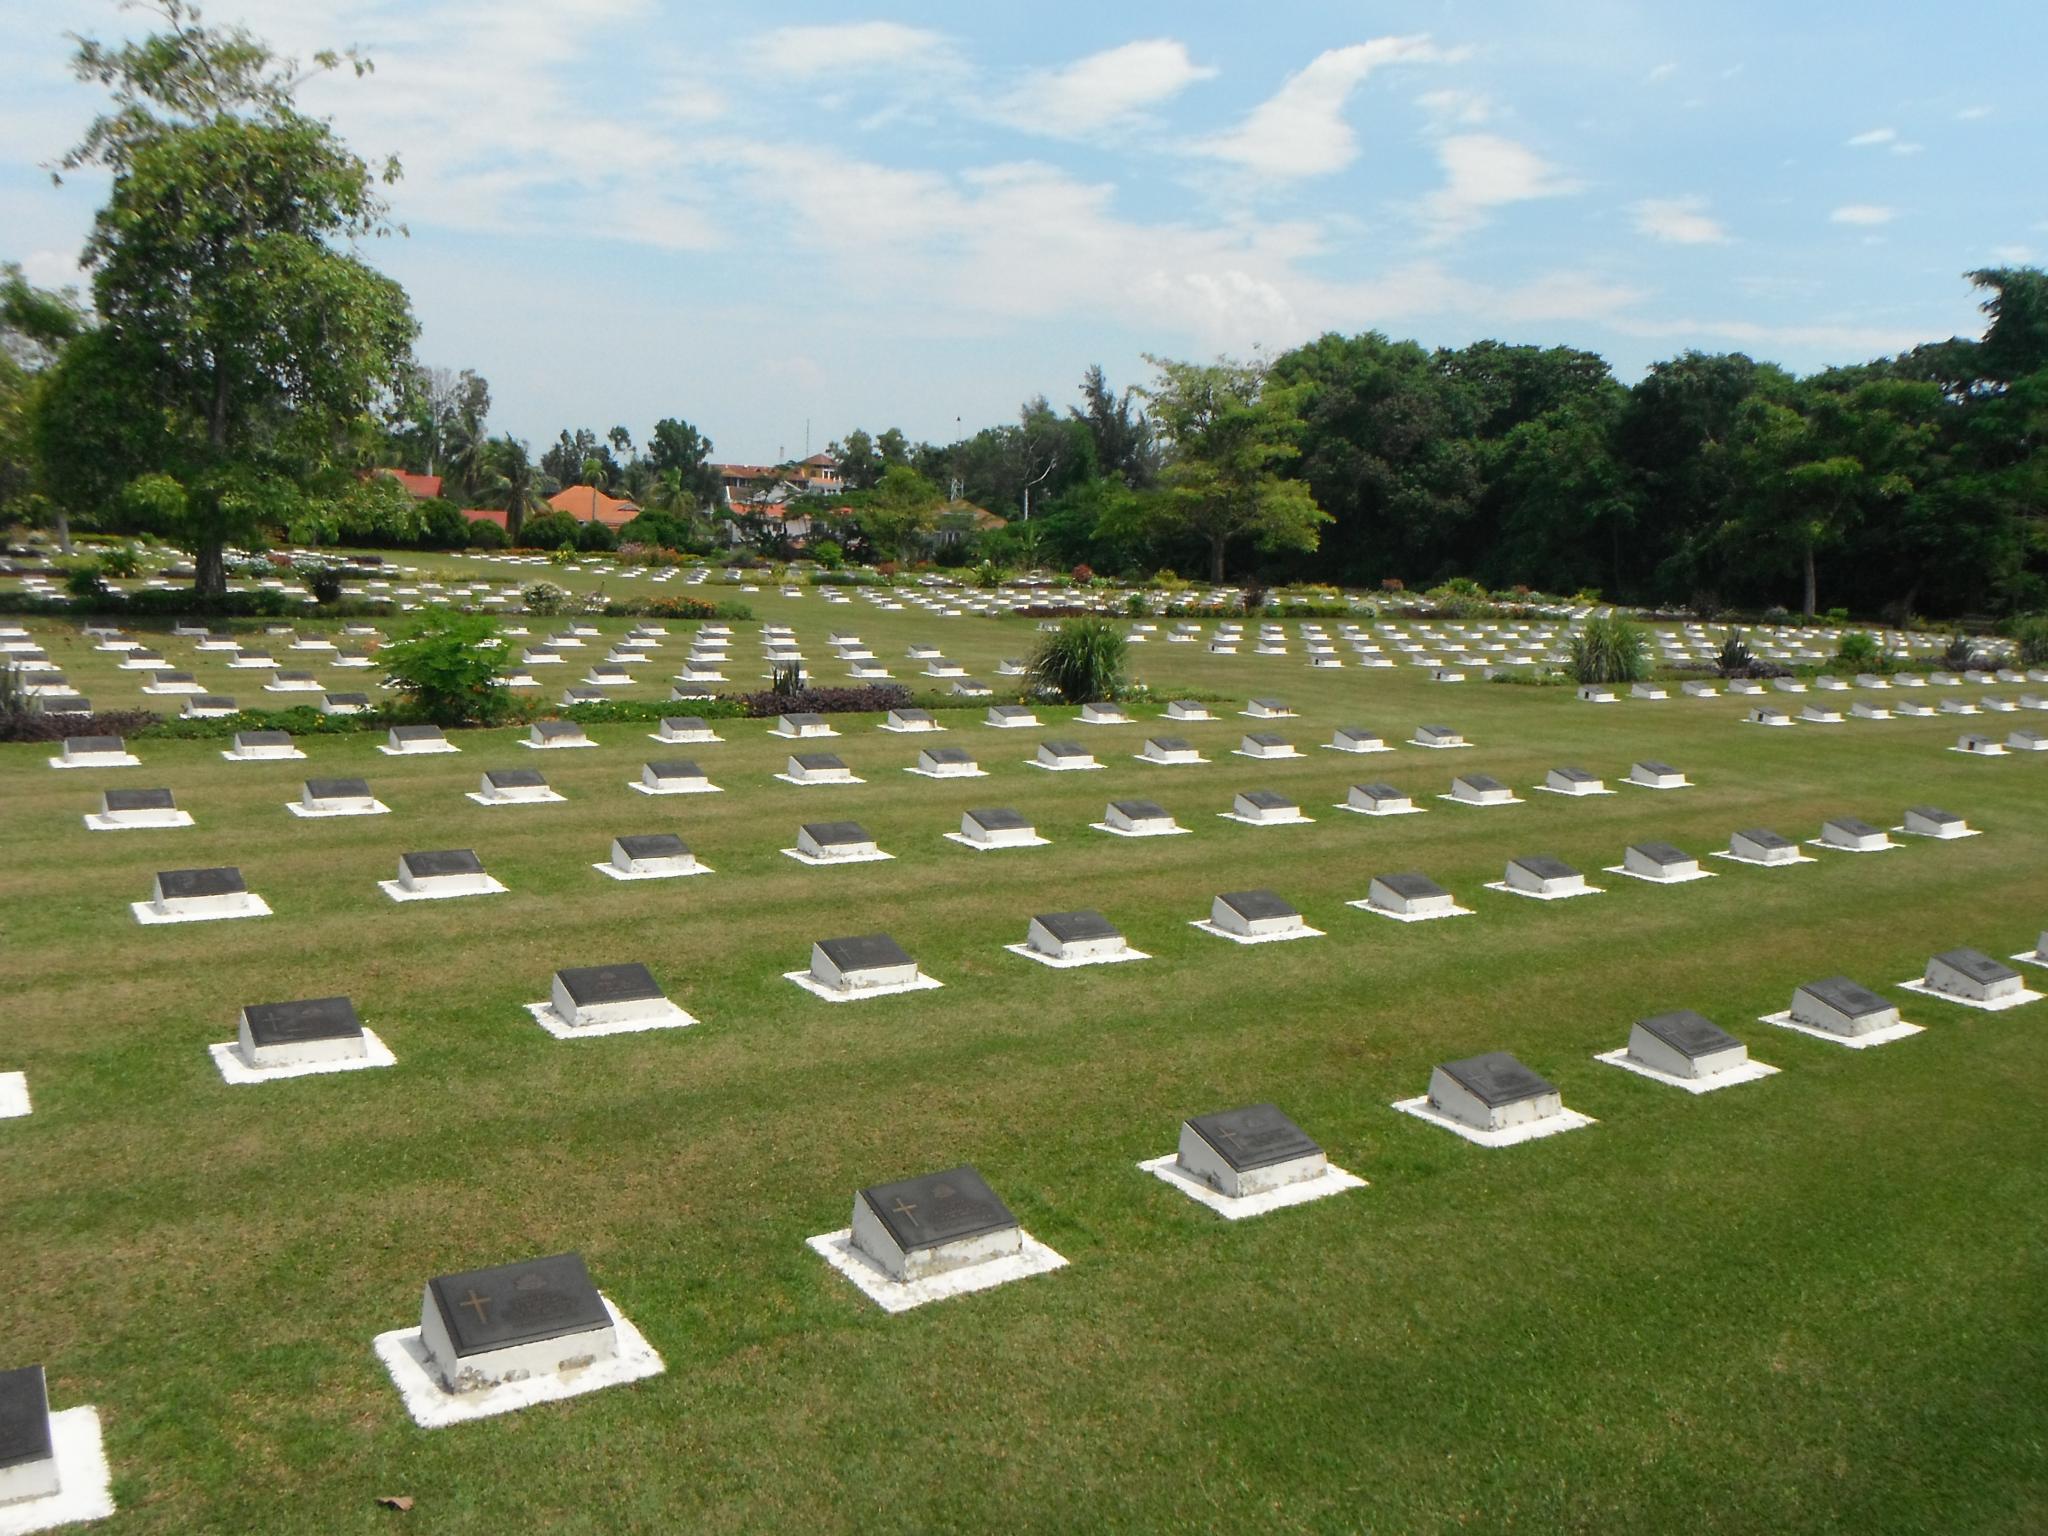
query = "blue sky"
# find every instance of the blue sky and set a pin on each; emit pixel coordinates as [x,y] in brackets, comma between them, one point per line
[758,216]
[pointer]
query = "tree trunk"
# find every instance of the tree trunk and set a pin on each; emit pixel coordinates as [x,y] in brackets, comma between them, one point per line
[63,532]
[1216,560]
[1810,597]
[210,569]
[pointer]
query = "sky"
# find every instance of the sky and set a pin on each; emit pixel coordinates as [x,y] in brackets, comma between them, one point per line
[783,221]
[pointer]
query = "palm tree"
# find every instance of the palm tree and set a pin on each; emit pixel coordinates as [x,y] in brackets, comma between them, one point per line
[513,483]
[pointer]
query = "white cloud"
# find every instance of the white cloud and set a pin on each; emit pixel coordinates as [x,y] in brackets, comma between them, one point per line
[1905,148]
[2016,255]
[1838,339]
[1973,114]
[1661,72]
[1873,137]
[1300,130]
[808,53]
[1102,89]
[1484,171]
[1678,221]
[1863,213]
[1455,108]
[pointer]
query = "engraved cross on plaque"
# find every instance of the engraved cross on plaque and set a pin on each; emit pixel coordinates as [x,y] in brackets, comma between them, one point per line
[903,1208]
[479,1303]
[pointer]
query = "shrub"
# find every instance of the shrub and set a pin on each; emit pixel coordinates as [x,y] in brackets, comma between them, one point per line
[484,534]
[324,582]
[548,530]
[86,582]
[1608,648]
[1959,653]
[1082,661]
[1134,605]
[447,666]
[988,574]
[122,561]
[828,553]
[544,598]
[1460,598]
[1735,656]
[1083,573]
[873,699]
[2030,637]
[1393,584]
[594,536]
[1861,650]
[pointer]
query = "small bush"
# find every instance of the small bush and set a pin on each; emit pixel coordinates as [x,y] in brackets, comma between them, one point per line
[122,561]
[1082,661]
[1960,653]
[487,535]
[829,554]
[1609,649]
[1860,650]
[87,583]
[447,666]
[324,582]
[2030,638]
[544,598]
[874,699]
[1735,656]
[594,537]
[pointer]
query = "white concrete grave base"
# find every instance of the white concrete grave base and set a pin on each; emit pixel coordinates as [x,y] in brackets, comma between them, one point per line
[1033,841]
[299,808]
[2017,999]
[1331,1181]
[648,789]
[1623,869]
[818,783]
[1440,746]
[1296,820]
[1483,805]
[1454,910]
[553,746]
[1359,810]
[670,1017]
[1819,842]
[99,821]
[1996,749]
[147,915]
[949,773]
[1328,746]
[1264,757]
[430,750]
[1303,932]
[272,755]
[817,988]
[433,1407]
[491,886]
[1507,1136]
[1940,837]
[1577,794]
[1748,1072]
[877,857]
[1736,858]
[892,1295]
[1073,962]
[84,1481]
[1515,890]
[13,1095]
[111,760]
[1032,762]
[1885,1036]
[649,874]
[1103,826]
[227,1056]
[2029,957]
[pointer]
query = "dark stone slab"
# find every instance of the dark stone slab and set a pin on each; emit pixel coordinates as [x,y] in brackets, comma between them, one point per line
[1496,1078]
[1848,997]
[816,762]
[916,716]
[349,700]
[595,984]
[557,730]
[999,821]
[1544,867]
[1171,744]
[76,744]
[516,778]
[210,701]
[1650,765]
[1976,965]
[1266,739]
[1575,776]
[78,706]
[864,952]
[1382,792]
[171,679]
[338,789]
[1139,810]
[138,800]
[804,719]
[225,881]
[676,768]
[951,756]
[1009,711]
[417,733]
[1661,854]
[1075,927]
[1434,730]
[1692,1035]
[486,1309]
[678,723]
[1254,905]
[319,1018]
[938,1208]
[1935,815]
[1411,886]
[1064,749]
[652,845]
[836,834]
[1852,826]
[266,738]
[1484,783]
[1270,703]
[291,676]
[24,1417]
[441,862]
[1257,1136]
[1266,799]
[1764,837]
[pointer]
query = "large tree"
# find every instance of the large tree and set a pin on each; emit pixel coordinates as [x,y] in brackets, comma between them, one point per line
[1230,431]
[237,317]
[36,325]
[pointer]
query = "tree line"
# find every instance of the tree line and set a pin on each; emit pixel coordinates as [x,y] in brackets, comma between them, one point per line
[239,366]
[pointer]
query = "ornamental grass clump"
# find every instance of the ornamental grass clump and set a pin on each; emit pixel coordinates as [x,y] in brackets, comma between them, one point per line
[1610,649]
[1082,661]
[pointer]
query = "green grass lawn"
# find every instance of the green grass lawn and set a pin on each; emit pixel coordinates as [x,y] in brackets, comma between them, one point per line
[1814,1303]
